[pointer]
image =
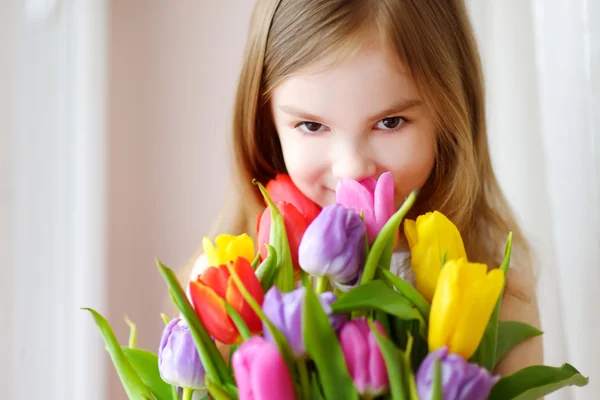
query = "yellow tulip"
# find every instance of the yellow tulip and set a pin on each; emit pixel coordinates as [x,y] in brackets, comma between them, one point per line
[228,248]
[429,238]
[463,303]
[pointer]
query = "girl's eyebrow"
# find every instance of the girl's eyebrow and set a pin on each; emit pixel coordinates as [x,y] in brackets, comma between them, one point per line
[396,108]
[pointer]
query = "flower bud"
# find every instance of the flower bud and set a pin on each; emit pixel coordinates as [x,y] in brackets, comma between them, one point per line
[178,360]
[334,245]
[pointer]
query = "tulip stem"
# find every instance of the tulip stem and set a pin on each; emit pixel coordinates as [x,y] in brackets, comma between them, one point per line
[187,393]
[304,381]
[322,284]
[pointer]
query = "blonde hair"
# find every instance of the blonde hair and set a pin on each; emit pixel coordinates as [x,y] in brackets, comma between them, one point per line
[435,41]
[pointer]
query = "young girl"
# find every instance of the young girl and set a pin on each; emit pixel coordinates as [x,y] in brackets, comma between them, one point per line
[334,89]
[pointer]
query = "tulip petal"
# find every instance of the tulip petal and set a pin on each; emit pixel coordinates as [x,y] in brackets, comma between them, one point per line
[295,225]
[246,273]
[240,246]
[444,307]
[260,371]
[377,368]
[236,300]
[436,235]
[211,311]
[352,194]
[480,299]
[212,255]
[410,231]
[356,354]
[282,188]
[215,278]
[222,241]
[384,205]
[270,363]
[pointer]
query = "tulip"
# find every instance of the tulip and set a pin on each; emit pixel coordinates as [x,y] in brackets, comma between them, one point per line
[213,288]
[334,245]
[228,249]
[295,225]
[374,198]
[462,305]
[260,371]
[429,238]
[363,357]
[460,380]
[178,360]
[284,310]
[283,189]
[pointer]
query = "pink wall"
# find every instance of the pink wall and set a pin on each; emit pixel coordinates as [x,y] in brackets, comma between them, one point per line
[173,69]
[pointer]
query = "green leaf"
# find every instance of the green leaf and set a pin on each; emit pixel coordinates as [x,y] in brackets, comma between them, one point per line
[394,364]
[238,321]
[486,352]
[438,389]
[410,292]
[511,333]
[267,270]
[376,295]
[534,382]
[132,383]
[132,332]
[323,347]
[213,362]
[216,391]
[256,260]
[279,240]
[387,234]
[315,388]
[145,364]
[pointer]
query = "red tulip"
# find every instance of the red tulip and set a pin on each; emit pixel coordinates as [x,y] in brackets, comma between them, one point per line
[283,189]
[215,286]
[295,226]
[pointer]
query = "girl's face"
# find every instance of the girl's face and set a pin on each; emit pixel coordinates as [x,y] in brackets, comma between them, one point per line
[355,119]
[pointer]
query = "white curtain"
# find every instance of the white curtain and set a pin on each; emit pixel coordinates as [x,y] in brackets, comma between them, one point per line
[53,215]
[542,65]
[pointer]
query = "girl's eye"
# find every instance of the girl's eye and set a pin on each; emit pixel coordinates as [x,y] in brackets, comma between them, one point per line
[310,127]
[387,124]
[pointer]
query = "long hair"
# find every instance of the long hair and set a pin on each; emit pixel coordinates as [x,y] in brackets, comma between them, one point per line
[435,41]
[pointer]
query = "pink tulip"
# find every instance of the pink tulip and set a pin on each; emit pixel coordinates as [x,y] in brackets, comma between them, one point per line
[375,198]
[363,357]
[260,371]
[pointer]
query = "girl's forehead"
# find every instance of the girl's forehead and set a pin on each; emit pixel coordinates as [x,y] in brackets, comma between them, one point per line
[364,83]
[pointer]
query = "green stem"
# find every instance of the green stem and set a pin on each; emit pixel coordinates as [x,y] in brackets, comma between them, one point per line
[304,380]
[322,284]
[239,322]
[385,235]
[187,393]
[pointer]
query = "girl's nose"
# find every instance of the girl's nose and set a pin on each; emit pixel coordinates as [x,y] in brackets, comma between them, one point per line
[352,161]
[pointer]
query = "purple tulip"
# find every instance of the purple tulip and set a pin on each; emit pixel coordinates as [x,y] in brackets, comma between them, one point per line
[178,360]
[284,310]
[375,198]
[363,357]
[260,371]
[460,380]
[334,245]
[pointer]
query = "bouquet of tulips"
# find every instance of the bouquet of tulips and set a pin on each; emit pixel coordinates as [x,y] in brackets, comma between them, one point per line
[317,313]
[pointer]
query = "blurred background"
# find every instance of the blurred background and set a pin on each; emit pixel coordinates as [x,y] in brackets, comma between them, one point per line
[114,138]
